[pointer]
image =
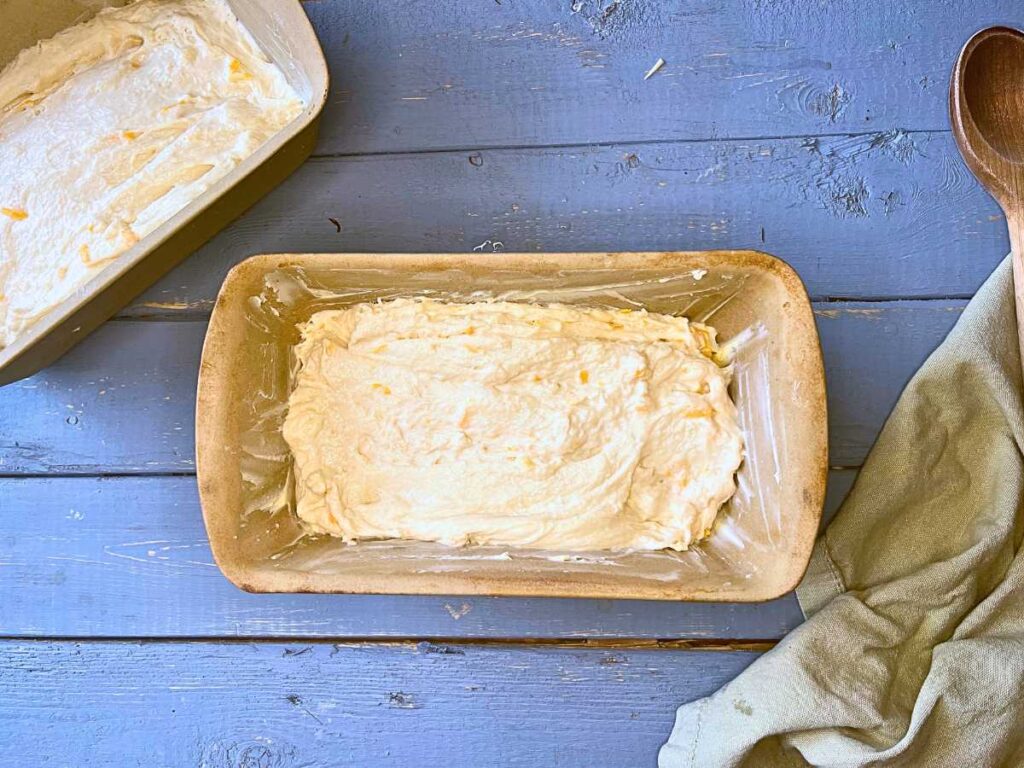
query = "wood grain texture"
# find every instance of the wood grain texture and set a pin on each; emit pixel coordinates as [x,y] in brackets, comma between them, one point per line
[83,557]
[292,706]
[123,401]
[529,72]
[837,209]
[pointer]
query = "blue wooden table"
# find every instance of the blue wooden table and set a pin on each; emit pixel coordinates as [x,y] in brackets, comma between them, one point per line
[814,130]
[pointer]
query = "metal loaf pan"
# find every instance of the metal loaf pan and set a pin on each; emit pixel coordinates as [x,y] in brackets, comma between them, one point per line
[283,32]
[761,544]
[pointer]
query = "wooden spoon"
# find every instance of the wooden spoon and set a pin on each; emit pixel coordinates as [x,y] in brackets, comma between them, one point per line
[986,107]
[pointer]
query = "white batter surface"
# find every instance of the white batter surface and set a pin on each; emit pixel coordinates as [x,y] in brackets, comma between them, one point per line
[509,424]
[113,126]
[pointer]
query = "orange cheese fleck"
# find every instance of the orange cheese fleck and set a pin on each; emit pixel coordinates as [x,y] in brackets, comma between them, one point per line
[698,413]
[237,71]
[18,214]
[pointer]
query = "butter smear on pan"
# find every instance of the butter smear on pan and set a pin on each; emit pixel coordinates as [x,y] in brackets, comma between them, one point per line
[508,424]
[110,128]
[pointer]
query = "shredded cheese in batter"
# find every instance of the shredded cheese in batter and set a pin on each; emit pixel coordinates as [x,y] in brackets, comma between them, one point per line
[110,128]
[509,424]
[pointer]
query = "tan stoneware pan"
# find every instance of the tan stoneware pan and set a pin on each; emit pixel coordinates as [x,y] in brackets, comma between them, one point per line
[283,32]
[760,546]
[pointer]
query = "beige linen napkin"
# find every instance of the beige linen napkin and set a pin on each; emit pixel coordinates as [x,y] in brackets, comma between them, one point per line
[913,650]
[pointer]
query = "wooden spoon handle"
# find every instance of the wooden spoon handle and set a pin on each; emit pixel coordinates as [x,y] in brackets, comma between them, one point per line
[1015,224]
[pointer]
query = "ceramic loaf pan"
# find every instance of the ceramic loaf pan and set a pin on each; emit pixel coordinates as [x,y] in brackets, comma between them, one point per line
[283,32]
[760,547]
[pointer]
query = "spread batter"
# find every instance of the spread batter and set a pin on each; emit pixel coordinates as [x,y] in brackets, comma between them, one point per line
[557,427]
[110,128]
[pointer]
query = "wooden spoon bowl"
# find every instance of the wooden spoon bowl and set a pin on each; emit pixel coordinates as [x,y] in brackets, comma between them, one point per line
[986,106]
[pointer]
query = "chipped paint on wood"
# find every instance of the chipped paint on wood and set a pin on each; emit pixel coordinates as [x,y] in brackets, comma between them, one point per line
[905,201]
[536,72]
[457,612]
[828,104]
[836,313]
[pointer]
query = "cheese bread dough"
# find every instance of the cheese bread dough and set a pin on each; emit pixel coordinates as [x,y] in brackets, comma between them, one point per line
[556,427]
[110,128]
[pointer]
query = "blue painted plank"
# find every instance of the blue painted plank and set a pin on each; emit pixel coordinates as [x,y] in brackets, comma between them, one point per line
[220,705]
[425,75]
[123,400]
[871,350]
[128,556]
[843,211]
